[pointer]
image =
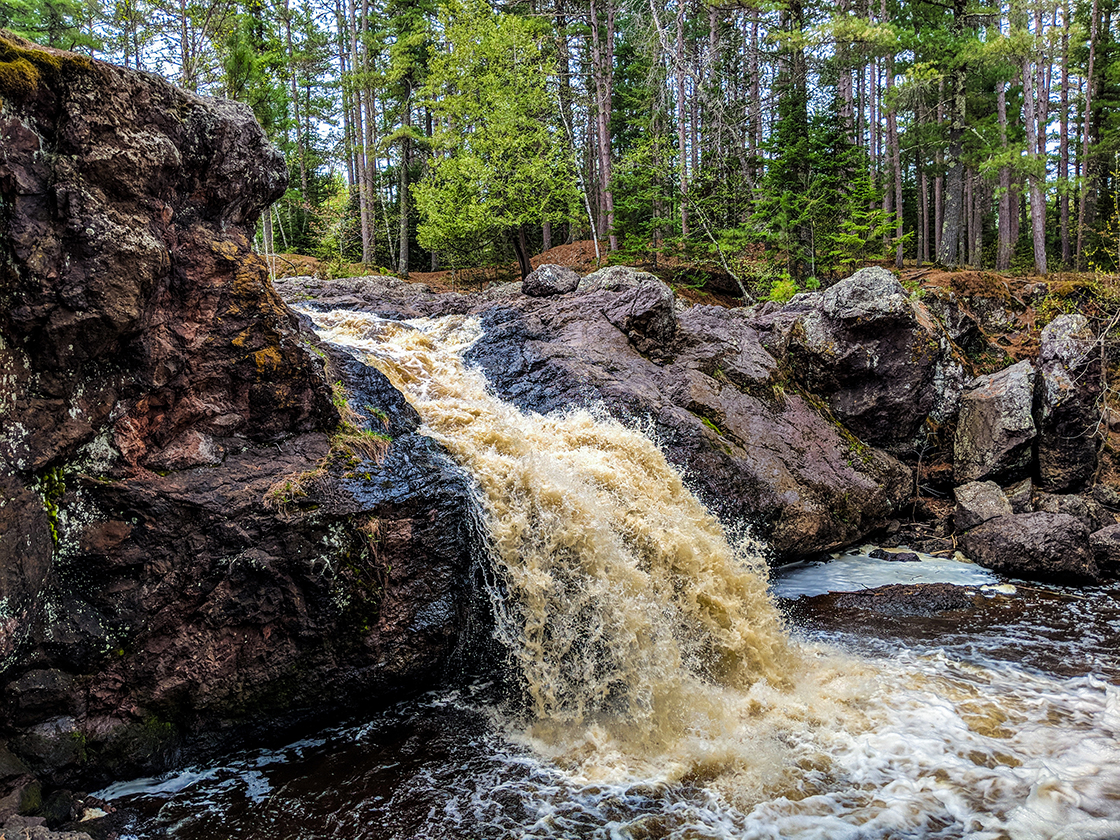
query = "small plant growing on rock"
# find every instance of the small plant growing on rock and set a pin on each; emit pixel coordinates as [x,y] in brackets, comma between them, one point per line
[782,289]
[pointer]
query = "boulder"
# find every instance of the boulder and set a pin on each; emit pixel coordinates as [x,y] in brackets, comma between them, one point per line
[1021,496]
[1036,546]
[645,313]
[909,599]
[549,280]
[995,427]
[614,278]
[880,360]
[1067,406]
[1084,507]
[1105,545]
[977,502]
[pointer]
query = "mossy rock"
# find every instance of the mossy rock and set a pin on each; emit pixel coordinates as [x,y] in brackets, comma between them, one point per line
[24,66]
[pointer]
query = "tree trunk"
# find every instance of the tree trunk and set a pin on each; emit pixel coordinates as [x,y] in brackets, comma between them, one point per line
[293,89]
[682,125]
[1063,142]
[602,61]
[924,253]
[1083,207]
[521,248]
[952,221]
[1003,250]
[896,165]
[402,193]
[1038,203]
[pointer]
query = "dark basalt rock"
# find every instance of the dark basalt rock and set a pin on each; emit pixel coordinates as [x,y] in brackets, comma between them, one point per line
[909,599]
[1067,397]
[1035,546]
[977,502]
[1105,545]
[881,361]
[192,548]
[995,427]
[550,280]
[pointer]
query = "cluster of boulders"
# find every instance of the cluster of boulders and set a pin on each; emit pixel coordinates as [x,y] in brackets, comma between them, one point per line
[1025,454]
[1022,442]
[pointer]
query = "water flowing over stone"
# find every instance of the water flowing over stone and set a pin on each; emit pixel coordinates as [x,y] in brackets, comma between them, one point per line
[619,595]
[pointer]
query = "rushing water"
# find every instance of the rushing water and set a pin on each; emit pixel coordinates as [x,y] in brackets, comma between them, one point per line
[662,693]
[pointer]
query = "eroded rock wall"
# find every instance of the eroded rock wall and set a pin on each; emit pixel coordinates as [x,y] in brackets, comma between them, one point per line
[185,556]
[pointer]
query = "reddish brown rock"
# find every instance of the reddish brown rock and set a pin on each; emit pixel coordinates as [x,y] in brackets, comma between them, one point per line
[1035,546]
[183,559]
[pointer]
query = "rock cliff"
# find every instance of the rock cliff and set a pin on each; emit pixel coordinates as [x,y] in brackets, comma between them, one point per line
[185,557]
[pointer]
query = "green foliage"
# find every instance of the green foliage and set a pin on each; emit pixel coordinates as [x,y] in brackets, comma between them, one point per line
[782,290]
[53,23]
[498,161]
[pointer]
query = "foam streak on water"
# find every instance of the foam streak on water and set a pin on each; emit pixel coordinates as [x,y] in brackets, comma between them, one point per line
[651,655]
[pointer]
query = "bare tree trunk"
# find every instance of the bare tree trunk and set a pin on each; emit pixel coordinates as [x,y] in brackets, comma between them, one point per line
[896,165]
[952,221]
[402,192]
[755,129]
[1003,250]
[363,132]
[924,253]
[521,249]
[266,232]
[294,91]
[938,179]
[1038,202]
[682,143]
[1063,141]
[602,56]
[1086,186]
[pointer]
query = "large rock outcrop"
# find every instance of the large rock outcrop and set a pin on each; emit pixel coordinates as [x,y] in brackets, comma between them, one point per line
[187,553]
[882,362]
[1067,404]
[752,445]
[995,427]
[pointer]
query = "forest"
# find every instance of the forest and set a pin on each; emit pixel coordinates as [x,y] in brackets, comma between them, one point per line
[782,141]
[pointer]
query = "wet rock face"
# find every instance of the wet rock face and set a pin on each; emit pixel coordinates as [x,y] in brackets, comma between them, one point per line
[192,548]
